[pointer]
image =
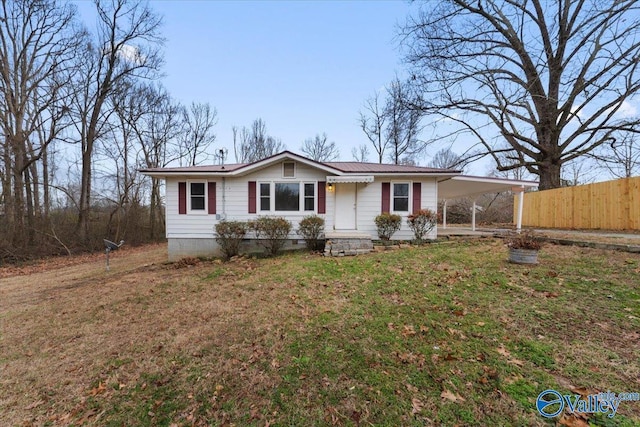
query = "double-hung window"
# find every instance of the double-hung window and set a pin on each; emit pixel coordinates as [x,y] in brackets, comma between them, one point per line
[401,197]
[197,196]
[309,196]
[265,196]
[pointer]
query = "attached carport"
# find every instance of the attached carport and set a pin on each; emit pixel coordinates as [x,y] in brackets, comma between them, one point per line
[460,186]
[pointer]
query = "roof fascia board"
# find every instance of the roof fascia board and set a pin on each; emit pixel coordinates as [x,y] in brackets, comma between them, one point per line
[492,180]
[244,170]
[185,173]
[405,174]
[173,174]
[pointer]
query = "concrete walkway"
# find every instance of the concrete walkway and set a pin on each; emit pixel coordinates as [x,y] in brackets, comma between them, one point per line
[611,240]
[463,231]
[592,233]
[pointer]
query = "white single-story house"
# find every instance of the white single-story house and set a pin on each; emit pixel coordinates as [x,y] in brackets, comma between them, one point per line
[348,195]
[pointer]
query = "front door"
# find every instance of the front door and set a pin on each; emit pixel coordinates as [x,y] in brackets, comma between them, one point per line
[345,212]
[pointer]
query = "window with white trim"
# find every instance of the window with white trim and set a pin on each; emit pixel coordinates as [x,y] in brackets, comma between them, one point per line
[287,196]
[309,196]
[197,196]
[265,196]
[401,197]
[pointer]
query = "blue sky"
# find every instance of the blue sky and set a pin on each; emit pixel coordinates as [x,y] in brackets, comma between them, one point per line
[305,67]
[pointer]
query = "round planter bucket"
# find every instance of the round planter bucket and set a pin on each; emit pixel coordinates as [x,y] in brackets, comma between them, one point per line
[523,256]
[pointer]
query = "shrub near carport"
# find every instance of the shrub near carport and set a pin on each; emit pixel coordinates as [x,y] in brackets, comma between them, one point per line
[421,223]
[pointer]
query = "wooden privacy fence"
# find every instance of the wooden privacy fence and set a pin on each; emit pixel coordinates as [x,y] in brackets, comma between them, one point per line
[612,205]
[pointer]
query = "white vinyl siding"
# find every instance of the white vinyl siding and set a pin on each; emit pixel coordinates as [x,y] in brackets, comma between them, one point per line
[233,198]
[369,205]
[232,202]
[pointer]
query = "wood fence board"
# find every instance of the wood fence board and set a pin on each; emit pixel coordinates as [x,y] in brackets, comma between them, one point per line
[613,205]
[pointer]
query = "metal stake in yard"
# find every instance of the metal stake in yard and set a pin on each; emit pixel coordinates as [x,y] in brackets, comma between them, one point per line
[111,246]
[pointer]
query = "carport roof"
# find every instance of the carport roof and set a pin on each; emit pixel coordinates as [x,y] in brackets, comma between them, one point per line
[469,186]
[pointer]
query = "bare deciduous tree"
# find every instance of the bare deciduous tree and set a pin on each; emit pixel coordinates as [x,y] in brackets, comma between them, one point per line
[392,125]
[199,120]
[126,46]
[403,125]
[360,153]
[621,156]
[551,78]
[37,43]
[163,125]
[320,149]
[373,123]
[253,144]
[445,158]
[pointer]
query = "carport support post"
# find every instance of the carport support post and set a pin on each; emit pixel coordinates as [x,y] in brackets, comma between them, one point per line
[444,214]
[473,216]
[520,192]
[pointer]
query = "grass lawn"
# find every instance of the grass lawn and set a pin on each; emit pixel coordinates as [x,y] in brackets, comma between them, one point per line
[445,334]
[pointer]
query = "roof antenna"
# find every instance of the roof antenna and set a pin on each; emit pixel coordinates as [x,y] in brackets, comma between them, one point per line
[111,246]
[221,155]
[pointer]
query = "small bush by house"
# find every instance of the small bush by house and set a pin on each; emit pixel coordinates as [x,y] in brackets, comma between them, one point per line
[311,229]
[229,235]
[421,223]
[387,224]
[271,232]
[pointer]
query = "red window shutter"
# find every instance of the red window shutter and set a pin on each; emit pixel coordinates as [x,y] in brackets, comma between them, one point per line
[386,197]
[182,198]
[322,197]
[252,197]
[417,196]
[211,197]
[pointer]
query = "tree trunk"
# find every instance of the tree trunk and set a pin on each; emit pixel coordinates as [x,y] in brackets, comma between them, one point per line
[30,224]
[17,230]
[549,174]
[46,202]
[7,196]
[85,193]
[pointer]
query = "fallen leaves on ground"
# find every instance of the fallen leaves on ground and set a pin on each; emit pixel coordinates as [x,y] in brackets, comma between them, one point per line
[504,352]
[453,397]
[576,419]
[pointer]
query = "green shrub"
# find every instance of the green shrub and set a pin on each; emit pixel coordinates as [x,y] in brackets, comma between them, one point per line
[311,228]
[271,232]
[422,222]
[387,225]
[229,235]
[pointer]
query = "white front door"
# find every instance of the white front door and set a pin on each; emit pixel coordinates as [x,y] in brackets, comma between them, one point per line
[345,207]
